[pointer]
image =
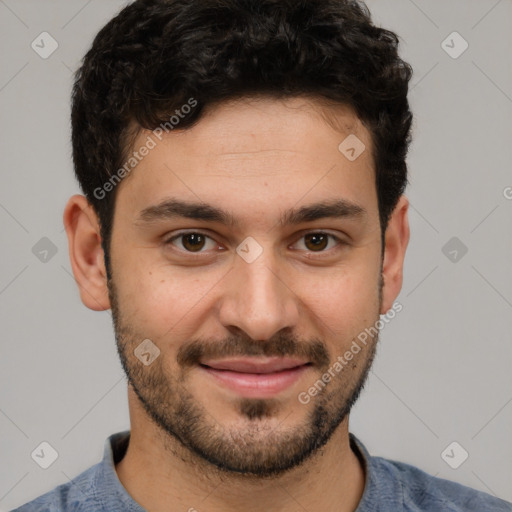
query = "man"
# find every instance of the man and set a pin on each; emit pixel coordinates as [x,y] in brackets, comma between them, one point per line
[243,164]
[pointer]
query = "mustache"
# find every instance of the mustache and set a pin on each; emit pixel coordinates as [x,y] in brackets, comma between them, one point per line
[190,354]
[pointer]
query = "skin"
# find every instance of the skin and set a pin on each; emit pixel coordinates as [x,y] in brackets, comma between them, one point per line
[195,444]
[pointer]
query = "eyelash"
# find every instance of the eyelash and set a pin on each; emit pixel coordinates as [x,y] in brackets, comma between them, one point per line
[198,254]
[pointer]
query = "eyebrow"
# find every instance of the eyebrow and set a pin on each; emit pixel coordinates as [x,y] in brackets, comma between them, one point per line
[175,208]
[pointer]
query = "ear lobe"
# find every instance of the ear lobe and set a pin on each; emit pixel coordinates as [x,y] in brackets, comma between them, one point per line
[396,241]
[85,252]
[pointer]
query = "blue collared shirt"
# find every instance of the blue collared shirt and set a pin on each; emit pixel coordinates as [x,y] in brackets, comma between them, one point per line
[390,487]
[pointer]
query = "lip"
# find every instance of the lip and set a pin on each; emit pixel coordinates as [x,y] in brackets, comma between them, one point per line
[255,364]
[255,377]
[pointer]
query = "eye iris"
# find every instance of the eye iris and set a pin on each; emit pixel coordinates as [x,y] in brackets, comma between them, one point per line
[319,240]
[196,239]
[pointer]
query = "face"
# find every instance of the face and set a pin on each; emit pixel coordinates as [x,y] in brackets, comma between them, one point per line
[247,292]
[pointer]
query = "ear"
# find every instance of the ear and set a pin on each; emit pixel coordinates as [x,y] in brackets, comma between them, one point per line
[85,252]
[396,240]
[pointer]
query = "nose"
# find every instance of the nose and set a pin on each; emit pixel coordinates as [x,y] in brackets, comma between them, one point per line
[258,298]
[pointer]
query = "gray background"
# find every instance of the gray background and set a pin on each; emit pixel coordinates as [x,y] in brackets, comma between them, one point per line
[443,369]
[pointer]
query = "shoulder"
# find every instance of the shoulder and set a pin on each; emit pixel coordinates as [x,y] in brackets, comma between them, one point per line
[424,492]
[74,495]
[96,489]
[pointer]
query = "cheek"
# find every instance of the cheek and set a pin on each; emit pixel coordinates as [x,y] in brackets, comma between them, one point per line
[345,299]
[164,301]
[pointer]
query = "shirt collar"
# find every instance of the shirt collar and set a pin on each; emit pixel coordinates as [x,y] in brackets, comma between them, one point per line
[374,488]
[379,488]
[106,478]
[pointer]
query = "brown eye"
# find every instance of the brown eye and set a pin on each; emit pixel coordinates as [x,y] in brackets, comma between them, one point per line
[192,242]
[316,241]
[319,242]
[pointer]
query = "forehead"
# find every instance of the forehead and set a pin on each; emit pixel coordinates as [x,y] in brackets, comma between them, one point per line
[258,151]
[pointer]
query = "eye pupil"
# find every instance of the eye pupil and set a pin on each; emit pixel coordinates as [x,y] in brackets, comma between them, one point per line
[196,239]
[319,240]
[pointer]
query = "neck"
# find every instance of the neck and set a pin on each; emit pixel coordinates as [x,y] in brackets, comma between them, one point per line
[161,475]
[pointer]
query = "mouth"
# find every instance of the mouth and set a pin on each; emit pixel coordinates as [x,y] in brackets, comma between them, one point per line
[256,377]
